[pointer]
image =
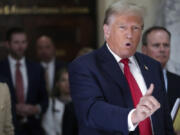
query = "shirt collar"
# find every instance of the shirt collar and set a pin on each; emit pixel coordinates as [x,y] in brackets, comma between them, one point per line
[164,71]
[46,64]
[14,61]
[117,58]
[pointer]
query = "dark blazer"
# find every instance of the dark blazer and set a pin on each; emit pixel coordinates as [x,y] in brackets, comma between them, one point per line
[173,91]
[70,125]
[102,97]
[36,95]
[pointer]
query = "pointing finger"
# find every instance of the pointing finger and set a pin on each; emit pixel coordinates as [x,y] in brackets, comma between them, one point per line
[150,90]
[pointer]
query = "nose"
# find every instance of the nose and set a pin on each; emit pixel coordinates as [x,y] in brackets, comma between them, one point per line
[129,33]
[162,48]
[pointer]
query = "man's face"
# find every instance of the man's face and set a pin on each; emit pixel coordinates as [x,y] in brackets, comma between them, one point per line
[158,46]
[18,45]
[45,49]
[123,34]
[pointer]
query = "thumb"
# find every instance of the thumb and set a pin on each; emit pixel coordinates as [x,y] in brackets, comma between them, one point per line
[150,90]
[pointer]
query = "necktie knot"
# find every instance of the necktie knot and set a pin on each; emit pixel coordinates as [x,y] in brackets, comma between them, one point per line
[18,64]
[125,61]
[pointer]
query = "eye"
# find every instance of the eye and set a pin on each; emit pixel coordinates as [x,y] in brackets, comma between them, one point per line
[122,27]
[166,45]
[156,45]
[136,28]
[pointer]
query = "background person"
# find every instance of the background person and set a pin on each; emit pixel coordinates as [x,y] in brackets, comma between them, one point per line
[156,44]
[46,53]
[26,83]
[60,118]
[6,125]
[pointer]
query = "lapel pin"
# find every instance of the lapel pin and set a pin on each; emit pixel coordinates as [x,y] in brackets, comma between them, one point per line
[146,67]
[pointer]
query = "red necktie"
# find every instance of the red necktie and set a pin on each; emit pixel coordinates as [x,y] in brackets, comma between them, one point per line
[19,84]
[144,126]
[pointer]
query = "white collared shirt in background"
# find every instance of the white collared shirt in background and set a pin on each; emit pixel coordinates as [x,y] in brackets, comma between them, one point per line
[50,67]
[165,78]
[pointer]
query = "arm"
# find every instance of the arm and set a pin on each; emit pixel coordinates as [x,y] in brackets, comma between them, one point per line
[92,109]
[8,126]
[42,99]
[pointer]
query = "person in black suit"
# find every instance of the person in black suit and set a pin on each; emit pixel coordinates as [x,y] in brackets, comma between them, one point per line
[45,50]
[116,90]
[156,44]
[26,82]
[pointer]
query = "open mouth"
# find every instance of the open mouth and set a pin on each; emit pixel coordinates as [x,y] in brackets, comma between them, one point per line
[128,44]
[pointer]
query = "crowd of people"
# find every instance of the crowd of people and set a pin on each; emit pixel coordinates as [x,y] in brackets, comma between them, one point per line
[113,90]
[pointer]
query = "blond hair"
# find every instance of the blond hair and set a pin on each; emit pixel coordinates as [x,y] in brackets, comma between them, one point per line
[123,7]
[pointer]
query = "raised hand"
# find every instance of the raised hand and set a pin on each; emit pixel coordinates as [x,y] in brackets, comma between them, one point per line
[146,106]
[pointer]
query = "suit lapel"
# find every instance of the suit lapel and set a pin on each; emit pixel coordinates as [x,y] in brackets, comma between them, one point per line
[30,78]
[110,66]
[148,77]
[145,70]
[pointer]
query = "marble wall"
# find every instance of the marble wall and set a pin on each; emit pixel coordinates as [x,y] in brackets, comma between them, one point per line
[171,20]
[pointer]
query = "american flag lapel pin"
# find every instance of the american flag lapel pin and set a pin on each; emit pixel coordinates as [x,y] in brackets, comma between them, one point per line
[146,67]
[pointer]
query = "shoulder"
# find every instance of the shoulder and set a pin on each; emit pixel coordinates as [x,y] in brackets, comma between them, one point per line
[33,64]
[4,62]
[60,63]
[84,60]
[92,57]
[173,75]
[146,59]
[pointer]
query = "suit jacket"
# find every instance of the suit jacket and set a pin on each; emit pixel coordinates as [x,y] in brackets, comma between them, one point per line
[36,95]
[173,91]
[6,126]
[102,97]
[70,125]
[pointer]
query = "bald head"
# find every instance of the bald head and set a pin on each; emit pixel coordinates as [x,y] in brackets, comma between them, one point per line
[45,48]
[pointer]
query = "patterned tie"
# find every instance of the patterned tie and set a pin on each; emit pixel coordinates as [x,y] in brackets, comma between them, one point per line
[19,84]
[144,126]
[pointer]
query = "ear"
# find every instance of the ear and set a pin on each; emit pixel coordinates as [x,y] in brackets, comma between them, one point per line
[144,49]
[106,29]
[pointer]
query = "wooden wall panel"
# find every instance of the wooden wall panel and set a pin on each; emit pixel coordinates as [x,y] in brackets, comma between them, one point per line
[70,30]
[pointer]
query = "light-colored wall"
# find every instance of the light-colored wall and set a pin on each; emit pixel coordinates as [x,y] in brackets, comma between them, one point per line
[151,10]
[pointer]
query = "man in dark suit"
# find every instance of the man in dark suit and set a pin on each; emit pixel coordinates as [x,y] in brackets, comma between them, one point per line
[45,49]
[156,44]
[116,91]
[27,84]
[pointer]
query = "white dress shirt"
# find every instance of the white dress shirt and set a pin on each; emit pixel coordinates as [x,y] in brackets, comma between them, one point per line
[52,121]
[50,67]
[23,70]
[136,72]
[165,78]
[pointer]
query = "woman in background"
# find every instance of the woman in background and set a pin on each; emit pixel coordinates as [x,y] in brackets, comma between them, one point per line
[59,118]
